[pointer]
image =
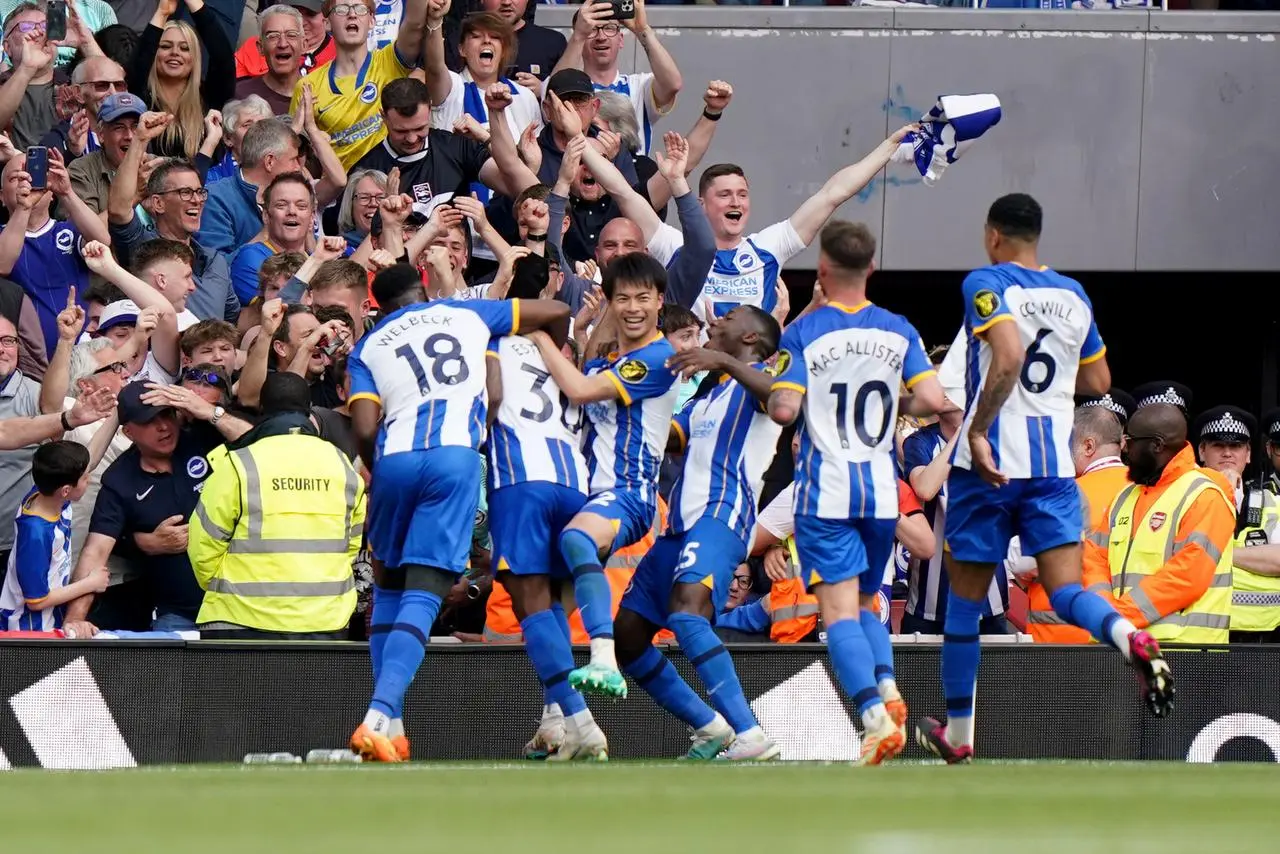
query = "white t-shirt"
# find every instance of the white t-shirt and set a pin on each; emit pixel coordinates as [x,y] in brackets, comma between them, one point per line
[151,372]
[186,320]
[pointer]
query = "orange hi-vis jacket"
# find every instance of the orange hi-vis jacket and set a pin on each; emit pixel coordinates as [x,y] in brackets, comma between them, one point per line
[1099,485]
[501,625]
[792,609]
[1167,551]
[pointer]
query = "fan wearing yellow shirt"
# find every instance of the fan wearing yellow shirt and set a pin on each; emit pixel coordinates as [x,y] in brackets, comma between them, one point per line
[347,89]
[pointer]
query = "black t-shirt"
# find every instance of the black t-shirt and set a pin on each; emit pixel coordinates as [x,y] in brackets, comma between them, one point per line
[586,219]
[538,49]
[336,429]
[135,501]
[449,164]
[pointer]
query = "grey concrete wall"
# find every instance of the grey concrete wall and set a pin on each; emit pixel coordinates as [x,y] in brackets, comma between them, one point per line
[1151,138]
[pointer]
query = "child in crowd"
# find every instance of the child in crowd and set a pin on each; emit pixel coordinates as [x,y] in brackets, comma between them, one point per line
[36,591]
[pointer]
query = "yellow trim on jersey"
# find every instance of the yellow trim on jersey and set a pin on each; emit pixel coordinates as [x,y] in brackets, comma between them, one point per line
[622,390]
[786,386]
[923,375]
[849,309]
[992,322]
[684,441]
[515,316]
[35,603]
[364,395]
[491,354]
[1095,357]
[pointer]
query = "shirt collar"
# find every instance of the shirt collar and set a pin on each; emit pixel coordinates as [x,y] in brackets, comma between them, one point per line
[1110,462]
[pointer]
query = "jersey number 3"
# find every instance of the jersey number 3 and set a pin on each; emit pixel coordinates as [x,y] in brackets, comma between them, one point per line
[444,359]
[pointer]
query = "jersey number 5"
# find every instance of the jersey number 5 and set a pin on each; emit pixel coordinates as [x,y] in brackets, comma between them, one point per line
[1047,368]
[444,356]
[688,556]
[860,400]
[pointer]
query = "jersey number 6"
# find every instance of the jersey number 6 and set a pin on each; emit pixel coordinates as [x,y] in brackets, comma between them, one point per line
[1036,356]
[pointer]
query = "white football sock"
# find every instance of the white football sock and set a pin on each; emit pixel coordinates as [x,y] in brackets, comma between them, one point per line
[1121,630]
[960,731]
[377,721]
[397,728]
[602,653]
[888,688]
[875,718]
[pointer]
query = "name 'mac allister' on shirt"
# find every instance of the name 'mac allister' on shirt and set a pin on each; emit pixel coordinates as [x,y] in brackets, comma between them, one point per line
[849,362]
[1031,437]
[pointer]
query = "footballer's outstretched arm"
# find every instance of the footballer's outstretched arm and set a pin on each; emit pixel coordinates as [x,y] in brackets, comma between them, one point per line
[576,386]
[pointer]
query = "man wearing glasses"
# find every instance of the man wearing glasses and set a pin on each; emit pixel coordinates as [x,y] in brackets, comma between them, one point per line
[347,89]
[280,43]
[94,79]
[174,197]
[595,46]
[251,60]
[28,90]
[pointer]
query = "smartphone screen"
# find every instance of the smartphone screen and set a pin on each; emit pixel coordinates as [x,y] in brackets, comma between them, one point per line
[56,20]
[38,166]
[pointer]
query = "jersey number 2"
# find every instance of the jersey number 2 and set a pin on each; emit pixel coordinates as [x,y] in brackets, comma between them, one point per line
[1047,367]
[876,387]
[441,350]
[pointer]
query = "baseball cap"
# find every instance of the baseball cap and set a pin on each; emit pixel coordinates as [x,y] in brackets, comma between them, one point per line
[132,410]
[117,313]
[119,105]
[570,81]
[309,5]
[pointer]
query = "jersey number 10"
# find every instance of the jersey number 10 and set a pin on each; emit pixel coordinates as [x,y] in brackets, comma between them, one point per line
[860,400]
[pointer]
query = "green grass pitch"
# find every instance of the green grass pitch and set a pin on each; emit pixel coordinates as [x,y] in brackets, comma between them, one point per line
[649,808]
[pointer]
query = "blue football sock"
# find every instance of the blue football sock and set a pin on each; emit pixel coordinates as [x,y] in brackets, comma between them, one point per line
[715,668]
[590,586]
[402,655]
[562,620]
[877,635]
[853,663]
[960,654]
[1087,610]
[552,659]
[386,604]
[658,677]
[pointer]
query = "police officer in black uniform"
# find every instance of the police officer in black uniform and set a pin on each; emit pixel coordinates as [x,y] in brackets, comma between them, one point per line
[1117,401]
[1163,391]
[1224,437]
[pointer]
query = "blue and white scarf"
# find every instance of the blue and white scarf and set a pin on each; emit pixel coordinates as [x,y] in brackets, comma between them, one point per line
[473,105]
[946,132]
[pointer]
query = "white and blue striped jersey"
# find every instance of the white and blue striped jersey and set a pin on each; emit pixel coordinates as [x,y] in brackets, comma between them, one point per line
[638,88]
[1031,437]
[849,362]
[425,365]
[39,564]
[747,274]
[927,581]
[729,440]
[537,434]
[626,437]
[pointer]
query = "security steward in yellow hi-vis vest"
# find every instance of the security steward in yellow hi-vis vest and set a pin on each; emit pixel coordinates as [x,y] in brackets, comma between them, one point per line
[278,525]
[1225,436]
[1166,544]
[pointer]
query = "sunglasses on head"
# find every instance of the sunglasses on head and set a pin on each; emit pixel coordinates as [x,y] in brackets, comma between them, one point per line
[209,378]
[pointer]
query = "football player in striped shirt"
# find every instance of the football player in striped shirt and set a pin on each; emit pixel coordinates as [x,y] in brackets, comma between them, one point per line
[629,396]
[842,366]
[1032,344]
[537,485]
[682,583]
[418,406]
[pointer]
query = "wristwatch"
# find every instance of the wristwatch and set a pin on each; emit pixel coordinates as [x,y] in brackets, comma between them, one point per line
[218,412]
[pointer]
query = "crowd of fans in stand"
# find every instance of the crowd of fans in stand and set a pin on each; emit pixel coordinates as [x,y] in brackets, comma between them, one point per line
[211,215]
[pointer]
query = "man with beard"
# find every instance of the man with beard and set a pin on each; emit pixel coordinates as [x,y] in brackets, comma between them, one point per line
[1166,544]
[174,197]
